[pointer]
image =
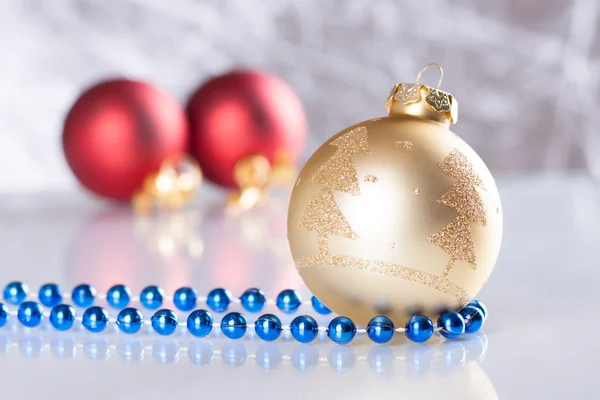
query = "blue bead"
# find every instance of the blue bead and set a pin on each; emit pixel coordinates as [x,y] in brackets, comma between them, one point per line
[480,305]
[304,328]
[15,293]
[50,295]
[152,297]
[62,317]
[95,319]
[3,315]
[185,298]
[451,324]
[419,328]
[30,314]
[268,327]
[164,322]
[234,325]
[83,295]
[218,299]
[130,320]
[319,307]
[341,330]
[288,301]
[380,329]
[473,317]
[118,296]
[253,300]
[200,323]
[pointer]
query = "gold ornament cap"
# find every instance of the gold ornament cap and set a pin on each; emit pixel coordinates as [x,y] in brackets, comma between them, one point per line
[423,101]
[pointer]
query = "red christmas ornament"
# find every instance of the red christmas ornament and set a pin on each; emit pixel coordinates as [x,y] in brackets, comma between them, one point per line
[120,131]
[241,114]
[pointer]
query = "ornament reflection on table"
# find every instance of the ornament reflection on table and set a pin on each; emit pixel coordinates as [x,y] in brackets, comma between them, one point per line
[396,215]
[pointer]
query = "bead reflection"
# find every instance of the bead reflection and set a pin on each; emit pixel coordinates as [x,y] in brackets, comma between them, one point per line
[452,354]
[64,347]
[46,326]
[165,351]
[416,359]
[200,353]
[4,343]
[131,349]
[342,358]
[31,346]
[96,348]
[268,355]
[419,358]
[476,347]
[381,359]
[305,357]
[234,354]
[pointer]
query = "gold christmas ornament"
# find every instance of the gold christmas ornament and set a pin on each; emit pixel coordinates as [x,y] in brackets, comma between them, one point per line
[396,215]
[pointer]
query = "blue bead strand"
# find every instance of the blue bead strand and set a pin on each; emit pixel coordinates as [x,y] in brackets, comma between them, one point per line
[319,307]
[95,319]
[473,317]
[185,298]
[3,315]
[288,301]
[380,329]
[304,328]
[130,320]
[341,330]
[50,295]
[200,323]
[419,328]
[253,300]
[83,295]
[234,325]
[152,297]
[15,293]
[451,324]
[268,327]
[30,314]
[218,299]
[62,317]
[164,322]
[479,305]
[118,296]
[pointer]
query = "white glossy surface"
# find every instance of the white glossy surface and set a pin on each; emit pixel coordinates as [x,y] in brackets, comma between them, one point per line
[540,340]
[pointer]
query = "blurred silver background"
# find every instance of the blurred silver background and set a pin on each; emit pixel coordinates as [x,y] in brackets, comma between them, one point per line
[526,73]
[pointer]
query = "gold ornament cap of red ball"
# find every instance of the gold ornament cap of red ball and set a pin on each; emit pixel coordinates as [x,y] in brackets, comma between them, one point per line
[396,215]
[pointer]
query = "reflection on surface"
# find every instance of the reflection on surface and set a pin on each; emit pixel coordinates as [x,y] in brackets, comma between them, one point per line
[317,370]
[201,246]
[415,357]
